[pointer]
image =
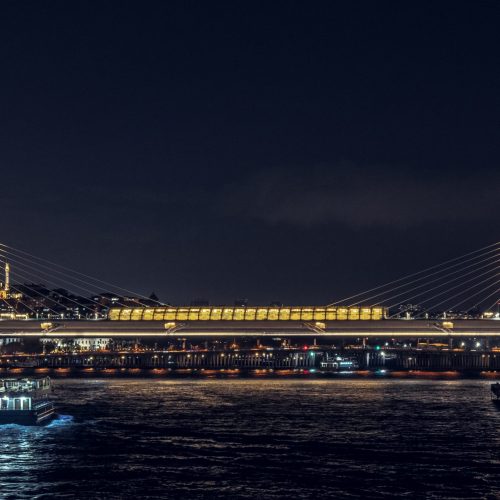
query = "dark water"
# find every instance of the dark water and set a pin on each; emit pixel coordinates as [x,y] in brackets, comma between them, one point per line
[259,439]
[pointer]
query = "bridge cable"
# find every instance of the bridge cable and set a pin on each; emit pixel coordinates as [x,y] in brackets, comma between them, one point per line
[72,283]
[419,272]
[13,287]
[443,284]
[435,279]
[29,277]
[10,306]
[481,301]
[26,266]
[35,291]
[428,276]
[468,298]
[495,303]
[79,273]
[24,303]
[434,306]
[449,289]
[441,271]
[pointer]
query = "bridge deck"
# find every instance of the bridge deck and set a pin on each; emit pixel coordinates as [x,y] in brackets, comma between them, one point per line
[388,328]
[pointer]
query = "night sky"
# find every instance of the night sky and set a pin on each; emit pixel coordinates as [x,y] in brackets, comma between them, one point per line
[276,151]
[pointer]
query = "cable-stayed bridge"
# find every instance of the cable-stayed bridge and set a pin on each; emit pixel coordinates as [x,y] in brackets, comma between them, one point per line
[458,297]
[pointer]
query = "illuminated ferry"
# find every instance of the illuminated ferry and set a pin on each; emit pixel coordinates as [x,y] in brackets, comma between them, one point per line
[339,363]
[25,401]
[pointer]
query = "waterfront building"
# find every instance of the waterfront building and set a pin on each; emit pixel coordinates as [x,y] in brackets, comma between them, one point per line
[79,344]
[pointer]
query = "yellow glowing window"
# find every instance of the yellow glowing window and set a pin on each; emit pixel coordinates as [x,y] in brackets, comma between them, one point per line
[114,314]
[331,314]
[170,314]
[319,314]
[227,313]
[216,314]
[148,314]
[204,314]
[159,313]
[307,314]
[182,314]
[193,314]
[239,314]
[353,313]
[366,313]
[137,314]
[261,313]
[125,314]
[342,313]
[273,314]
[285,314]
[250,314]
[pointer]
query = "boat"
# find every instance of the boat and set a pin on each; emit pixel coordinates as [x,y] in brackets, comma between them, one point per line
[25,401]
[495,393]
[338,363]
[24,364]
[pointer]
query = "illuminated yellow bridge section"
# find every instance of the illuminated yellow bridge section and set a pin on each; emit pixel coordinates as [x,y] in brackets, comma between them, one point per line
[223,313]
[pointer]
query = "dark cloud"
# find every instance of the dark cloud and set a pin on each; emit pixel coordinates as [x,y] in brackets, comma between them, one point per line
[365,197]
[133,141]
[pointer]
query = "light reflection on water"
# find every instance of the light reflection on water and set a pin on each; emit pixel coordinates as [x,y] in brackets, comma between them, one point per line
[258,438]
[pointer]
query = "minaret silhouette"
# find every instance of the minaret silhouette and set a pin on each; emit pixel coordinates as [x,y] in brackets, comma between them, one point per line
[7,277]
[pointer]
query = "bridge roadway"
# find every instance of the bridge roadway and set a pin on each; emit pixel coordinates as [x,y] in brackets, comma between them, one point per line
[123,329]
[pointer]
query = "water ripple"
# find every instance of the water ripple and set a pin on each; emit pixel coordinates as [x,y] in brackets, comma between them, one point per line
[125,438]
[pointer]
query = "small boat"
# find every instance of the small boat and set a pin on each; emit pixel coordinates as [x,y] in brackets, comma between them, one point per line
[25,401]
[495,393]
[24,364]
[338,363]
